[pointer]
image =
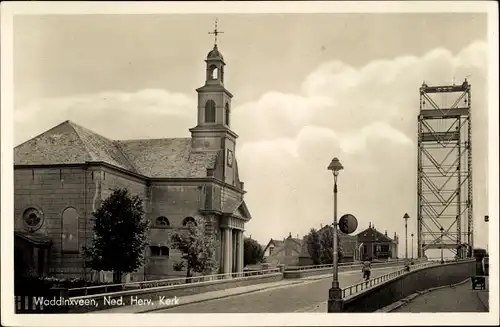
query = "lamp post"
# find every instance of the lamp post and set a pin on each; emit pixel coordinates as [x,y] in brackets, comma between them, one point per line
[442,231]
[335,293]
[412,246]
[405,217]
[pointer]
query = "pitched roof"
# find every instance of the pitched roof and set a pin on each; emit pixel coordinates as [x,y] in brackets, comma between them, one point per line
[372,233]
[167,157]
[69,143]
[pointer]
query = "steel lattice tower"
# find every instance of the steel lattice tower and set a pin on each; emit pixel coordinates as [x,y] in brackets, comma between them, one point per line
[445,170]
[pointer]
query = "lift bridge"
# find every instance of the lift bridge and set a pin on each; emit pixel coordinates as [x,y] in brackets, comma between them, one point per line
[445,170]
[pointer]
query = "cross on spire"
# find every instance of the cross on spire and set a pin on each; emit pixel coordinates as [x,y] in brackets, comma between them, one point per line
[215,32]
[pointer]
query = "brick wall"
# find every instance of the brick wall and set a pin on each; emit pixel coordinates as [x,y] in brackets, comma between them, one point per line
[52,190]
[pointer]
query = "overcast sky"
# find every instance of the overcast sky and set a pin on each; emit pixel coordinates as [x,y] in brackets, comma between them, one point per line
[307,87]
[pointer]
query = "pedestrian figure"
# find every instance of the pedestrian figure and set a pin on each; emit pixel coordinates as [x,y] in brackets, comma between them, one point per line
[366,270]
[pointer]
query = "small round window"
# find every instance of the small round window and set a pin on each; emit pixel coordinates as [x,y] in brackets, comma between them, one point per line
[33,219]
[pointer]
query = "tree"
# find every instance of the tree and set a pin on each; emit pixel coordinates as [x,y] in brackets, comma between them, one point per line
[326,241]
[313,246]
[252,252]
[197,247]
[320,246]
[120,234]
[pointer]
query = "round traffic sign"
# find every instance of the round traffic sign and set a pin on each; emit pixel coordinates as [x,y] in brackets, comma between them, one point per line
[348,224]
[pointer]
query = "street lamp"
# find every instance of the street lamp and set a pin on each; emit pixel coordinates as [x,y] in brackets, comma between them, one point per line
[411,246]
[442,231]
[406,217]
[335,293]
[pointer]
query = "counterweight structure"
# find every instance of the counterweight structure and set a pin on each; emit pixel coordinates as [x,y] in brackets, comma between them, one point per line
[444,173]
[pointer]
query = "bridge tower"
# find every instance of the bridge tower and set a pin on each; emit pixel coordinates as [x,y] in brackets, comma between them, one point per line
[444,173]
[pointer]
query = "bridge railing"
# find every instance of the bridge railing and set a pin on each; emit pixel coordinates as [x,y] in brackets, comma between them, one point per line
[110,288]
[310,267]
[356,288]
[345,265]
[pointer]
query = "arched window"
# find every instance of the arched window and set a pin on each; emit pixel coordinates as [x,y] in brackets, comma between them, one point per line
[210,111]
[162,221]
[70,230]
[226,114]
[213,72]
[188,220]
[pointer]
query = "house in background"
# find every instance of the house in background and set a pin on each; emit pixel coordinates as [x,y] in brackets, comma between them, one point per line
[376,245]
[285,252]
[273,244]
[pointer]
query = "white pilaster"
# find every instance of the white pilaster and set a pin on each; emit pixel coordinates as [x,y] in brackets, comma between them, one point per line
[239,258]
[228,249]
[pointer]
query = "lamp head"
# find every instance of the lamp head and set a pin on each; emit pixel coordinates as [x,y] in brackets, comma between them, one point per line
[335,166]
[406,216]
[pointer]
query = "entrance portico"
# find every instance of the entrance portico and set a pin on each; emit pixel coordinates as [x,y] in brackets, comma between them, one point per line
[232,244]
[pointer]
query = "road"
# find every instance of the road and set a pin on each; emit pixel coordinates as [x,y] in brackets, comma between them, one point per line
[279,300]
[461,298]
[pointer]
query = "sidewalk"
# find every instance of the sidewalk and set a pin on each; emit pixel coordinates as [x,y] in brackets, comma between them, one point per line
[156,305]
[460,298]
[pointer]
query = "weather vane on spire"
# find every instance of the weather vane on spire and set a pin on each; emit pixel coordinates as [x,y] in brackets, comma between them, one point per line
[215,32]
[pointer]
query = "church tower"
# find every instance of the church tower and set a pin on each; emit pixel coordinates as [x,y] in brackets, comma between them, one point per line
[213,131]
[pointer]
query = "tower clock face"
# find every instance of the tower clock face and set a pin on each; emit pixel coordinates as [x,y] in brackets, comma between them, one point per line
[229,158]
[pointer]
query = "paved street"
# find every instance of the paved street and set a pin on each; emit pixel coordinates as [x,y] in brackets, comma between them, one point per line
[284,299]
[461,298]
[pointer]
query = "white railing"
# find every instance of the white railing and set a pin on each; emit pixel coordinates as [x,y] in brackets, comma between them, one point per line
[110,288]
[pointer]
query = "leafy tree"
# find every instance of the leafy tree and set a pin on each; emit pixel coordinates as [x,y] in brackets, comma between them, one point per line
[326,241]
[197,248]
[320,246]
[252,252]
[313,246]
[120,234]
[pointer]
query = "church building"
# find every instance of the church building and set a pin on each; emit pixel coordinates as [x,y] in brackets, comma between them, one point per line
[63,175]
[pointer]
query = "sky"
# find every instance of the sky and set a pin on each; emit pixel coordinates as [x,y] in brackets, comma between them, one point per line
[307,88]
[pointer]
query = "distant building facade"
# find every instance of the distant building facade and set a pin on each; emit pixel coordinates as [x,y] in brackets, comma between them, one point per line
[376,245]
[63,175]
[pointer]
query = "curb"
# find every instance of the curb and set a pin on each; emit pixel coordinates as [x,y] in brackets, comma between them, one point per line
[485,305]
[217,297]
[406,300]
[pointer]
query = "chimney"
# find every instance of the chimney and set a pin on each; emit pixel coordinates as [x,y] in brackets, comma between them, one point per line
[250,236]
[320,226]
[289,234]
[298,236]
[369,225]
[386,232]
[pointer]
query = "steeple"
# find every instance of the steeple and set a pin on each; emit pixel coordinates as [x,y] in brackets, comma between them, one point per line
[213,132]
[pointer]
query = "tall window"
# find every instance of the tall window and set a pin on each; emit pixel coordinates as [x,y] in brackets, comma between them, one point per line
[210,111]
[226,115]
[70,230]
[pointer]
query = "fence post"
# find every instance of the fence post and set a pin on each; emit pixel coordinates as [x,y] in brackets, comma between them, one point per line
[265,266]
[282,268]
